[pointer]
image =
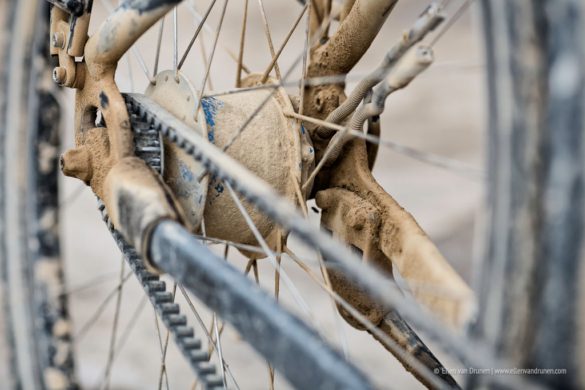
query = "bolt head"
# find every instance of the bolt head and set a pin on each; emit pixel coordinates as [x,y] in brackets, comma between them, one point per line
[59,75]
[77,163]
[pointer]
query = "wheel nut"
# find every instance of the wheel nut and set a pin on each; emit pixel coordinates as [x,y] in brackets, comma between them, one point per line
[77,163]
[58,40]
[59,75]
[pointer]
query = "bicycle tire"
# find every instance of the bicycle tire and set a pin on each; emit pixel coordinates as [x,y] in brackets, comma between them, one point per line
[37,351]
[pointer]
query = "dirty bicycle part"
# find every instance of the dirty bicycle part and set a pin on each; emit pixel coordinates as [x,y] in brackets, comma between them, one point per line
[35,345]
[137,235]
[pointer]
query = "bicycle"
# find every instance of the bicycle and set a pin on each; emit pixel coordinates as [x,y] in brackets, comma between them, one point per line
[175,164]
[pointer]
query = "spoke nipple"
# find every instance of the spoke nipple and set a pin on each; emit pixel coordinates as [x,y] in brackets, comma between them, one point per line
[59,75]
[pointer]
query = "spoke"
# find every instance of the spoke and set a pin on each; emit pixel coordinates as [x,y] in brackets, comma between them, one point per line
[130,326]
[396,349]
[130,74]
[253,264]
[404,74]
[96,315]
[271,256]
[281,48]
[340,330]
[213,346]
[241,52]
[439,161]
[158,47]
[203,50]
[212,343]
[211,56]
[141,62]
[311,81]
[73,196]
[196,34]
[455,166]
[305,56]
[208,29]
[324,275]
[250,248]
[436,69]
[256,273]
[279,242]
[218,333]
[278,261]
[451,21]
[219,351]
[269,38]
[160,343]
[264,102]
[176,43]
[301,199]
[108,372]
[326,21]
[93,282]
[159,335]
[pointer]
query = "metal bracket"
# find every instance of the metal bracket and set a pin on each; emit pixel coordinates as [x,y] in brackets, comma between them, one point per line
[104,156]
[357,209]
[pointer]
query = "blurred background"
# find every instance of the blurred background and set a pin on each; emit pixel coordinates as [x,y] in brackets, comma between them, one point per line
[442,113]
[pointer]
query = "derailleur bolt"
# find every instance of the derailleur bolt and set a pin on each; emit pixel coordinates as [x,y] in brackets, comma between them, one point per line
[59,75]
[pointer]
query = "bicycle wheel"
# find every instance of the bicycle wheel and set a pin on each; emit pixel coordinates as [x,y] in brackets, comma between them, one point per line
[36,346]
[257,220]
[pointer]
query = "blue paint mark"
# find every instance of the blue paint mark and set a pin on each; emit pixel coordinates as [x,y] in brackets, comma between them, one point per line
[186,174]
[211,107]
[311,150]
[219,188]
[302,129]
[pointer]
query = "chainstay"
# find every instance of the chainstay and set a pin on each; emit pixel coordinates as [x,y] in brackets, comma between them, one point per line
[148,146]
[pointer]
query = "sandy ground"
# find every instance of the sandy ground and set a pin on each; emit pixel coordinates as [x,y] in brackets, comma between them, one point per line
[441,113]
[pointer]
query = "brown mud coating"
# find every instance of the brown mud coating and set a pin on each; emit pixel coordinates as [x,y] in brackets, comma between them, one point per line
[388,236]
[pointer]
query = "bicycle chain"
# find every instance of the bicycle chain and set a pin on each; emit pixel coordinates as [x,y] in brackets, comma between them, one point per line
[148,146]
[137,110]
